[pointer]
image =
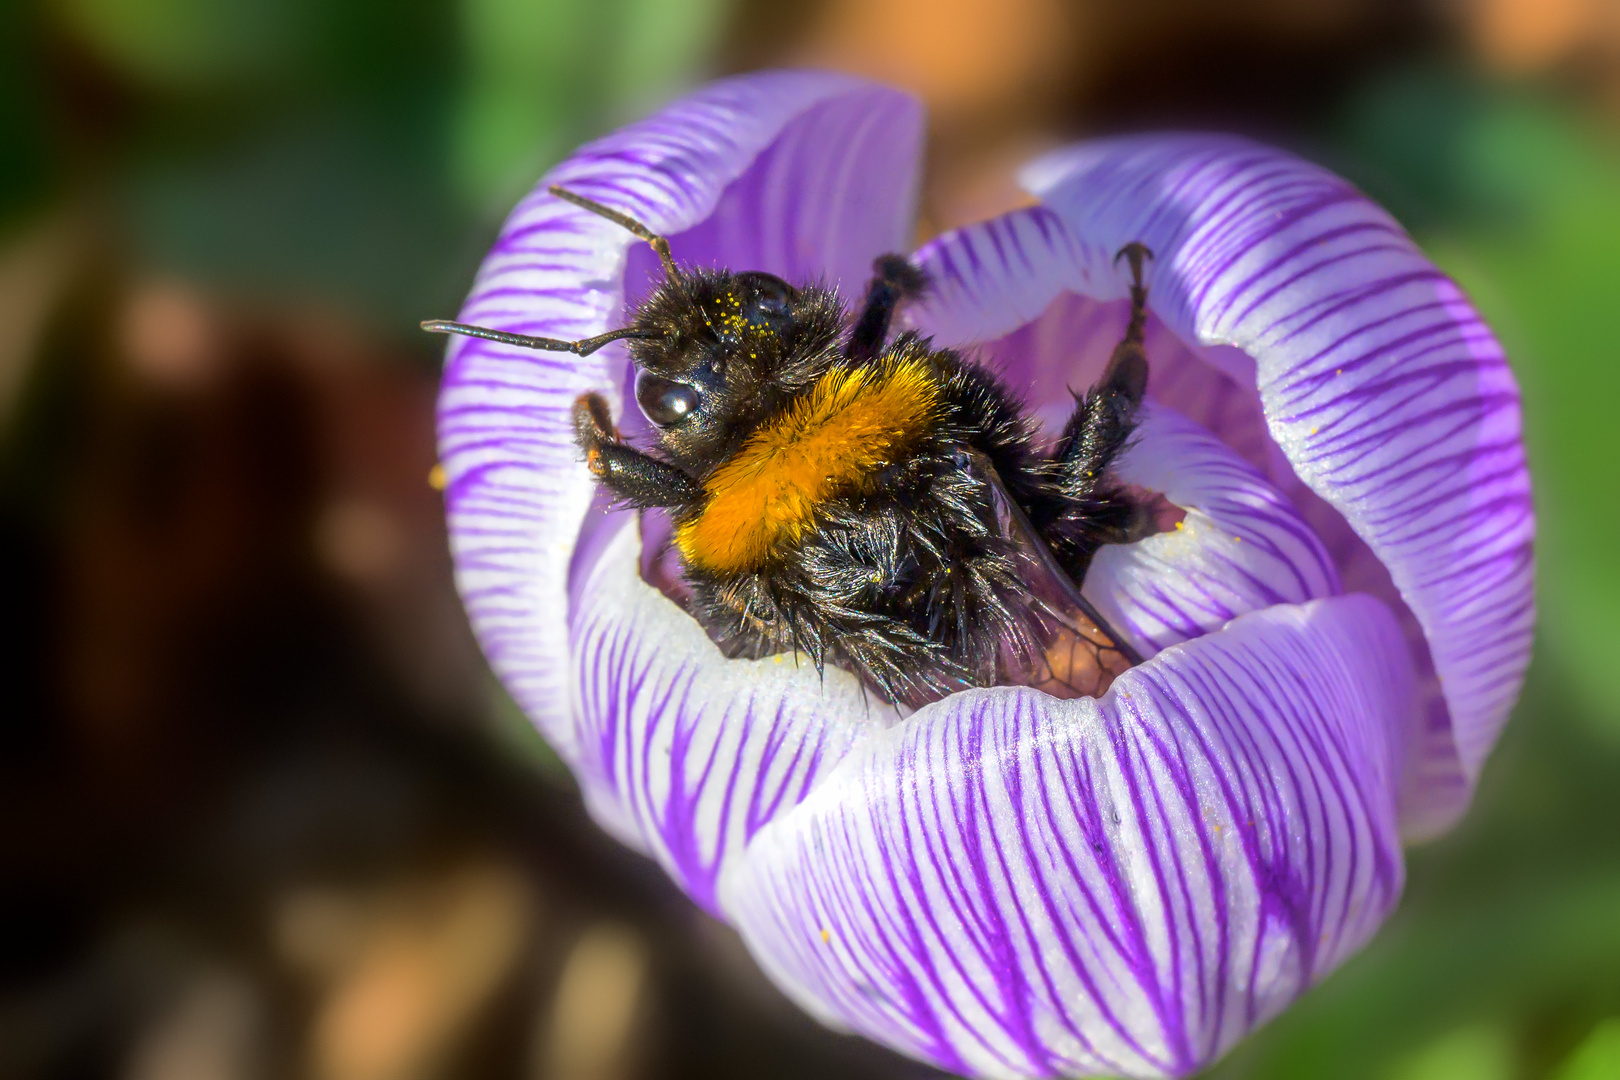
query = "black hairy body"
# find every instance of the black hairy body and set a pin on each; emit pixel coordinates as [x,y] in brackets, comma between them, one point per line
[864,502]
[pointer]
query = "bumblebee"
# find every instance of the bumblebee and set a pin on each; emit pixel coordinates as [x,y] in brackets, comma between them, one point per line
[881,505]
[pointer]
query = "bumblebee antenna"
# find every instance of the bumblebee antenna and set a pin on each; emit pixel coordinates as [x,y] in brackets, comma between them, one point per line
[583,347]
[659,244]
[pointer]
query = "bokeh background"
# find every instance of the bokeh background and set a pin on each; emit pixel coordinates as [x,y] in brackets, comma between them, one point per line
[263,812]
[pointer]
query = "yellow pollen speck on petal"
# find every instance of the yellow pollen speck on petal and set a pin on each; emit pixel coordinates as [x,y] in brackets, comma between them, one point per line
[1180,525]
[826,936]
[1314,430]
[437,478]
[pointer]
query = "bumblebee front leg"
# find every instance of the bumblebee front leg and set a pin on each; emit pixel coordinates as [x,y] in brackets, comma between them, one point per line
[638,479]
[897,280]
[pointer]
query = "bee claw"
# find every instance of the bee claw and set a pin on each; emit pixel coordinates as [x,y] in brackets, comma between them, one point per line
[1136,253]
[593,424]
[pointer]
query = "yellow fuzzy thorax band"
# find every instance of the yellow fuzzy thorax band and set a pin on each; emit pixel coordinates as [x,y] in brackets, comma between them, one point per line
[850,424]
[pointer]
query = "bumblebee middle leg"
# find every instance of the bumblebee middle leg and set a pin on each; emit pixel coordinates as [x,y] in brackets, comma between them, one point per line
[637,478]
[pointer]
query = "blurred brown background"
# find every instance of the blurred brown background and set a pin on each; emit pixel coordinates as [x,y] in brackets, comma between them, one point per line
[265,813]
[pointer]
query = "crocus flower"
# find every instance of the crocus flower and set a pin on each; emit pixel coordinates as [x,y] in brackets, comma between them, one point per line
[1002,883]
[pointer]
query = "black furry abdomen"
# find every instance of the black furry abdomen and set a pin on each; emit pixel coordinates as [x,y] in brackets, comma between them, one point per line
[912,582]
[910,586]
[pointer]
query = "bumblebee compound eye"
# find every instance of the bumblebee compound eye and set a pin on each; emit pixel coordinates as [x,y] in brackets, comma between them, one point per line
[664,401]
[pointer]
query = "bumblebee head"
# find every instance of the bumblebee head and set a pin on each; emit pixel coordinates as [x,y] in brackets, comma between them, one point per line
[717,352]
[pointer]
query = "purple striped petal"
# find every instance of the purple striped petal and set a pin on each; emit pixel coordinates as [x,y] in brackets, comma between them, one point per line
[1010,885]
[686,752]
[1298,321]
[1241,548]
[798,173]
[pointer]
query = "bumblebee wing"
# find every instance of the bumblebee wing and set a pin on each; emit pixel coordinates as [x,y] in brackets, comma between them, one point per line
[1074,652]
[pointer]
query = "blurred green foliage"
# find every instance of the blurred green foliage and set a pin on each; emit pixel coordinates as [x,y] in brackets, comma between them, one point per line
[543,73]
[356,156]
[26,159]
[188,44]
[1598,1058]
